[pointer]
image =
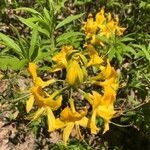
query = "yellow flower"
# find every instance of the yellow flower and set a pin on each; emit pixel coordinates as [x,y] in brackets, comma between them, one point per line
[90,27]
[100,107]
[119,30]
[111,27]
[37,80]
[109,75]
[69,119]
[75,74]
[94,57]
[100,18]
[38,83]
[60,58]
[96,41]
[108,71]
[106,112]
[46,103]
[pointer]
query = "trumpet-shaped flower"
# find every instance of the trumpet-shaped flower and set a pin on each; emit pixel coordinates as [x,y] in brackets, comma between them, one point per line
[60,58]
[69,119]
[90,27]
[100,18]
[94,57]
[37,80]
[101,106]
[45,101]
[46,105]
[103,25]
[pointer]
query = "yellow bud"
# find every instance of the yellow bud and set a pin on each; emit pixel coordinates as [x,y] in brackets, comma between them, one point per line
[74,73]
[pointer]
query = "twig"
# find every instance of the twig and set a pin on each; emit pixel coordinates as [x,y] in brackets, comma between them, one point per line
[119,125]
[17,99]
[136,107]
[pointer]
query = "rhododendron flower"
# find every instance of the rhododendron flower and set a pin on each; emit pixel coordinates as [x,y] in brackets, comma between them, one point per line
[37,80]
[103,25]
[60,58]
[94,57]
[100,18]
[69,119]
[100,107]
[46,103]
[90,27]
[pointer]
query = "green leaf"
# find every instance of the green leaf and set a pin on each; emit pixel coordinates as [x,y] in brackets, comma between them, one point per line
[68,20]
[46,13]
[33,25]
[7,62]
[147,54]
[111,53]
[28,9]
[11,44]
[33,40]
[126,39]
[68,35]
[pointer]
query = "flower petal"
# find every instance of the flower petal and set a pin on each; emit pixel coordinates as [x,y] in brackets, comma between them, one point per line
[67,132]
[40,82]
[59,124]
[32,69]
[50,119]
[92,124]
[83,122]
[29,103]
[106,126]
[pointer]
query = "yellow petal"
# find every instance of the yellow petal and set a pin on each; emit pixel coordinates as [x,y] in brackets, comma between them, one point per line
[106,112]
[50,119]
[67,132]
[60,58]
[32,69]
[59,124]
[67,115]
[100,18]
[83,122]
[92,124]
[90,27]
[29,103]
[54,104]
[48,101]
[40,82]
[106,126]
[97,99]
[93,54]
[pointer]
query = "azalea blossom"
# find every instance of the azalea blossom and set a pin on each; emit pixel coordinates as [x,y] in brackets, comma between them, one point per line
[101,106]
[60,58]
[94,57]
[46,103]
[103,25]
[69,119]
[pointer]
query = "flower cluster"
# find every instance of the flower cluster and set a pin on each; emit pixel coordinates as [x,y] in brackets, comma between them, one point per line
[84,73]
[102,25]
[77,67]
